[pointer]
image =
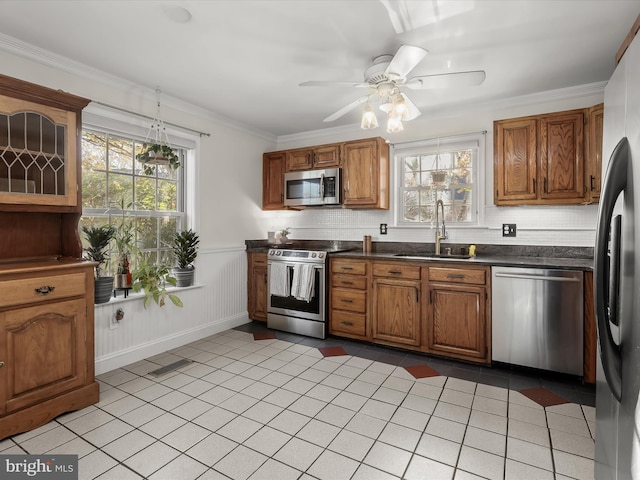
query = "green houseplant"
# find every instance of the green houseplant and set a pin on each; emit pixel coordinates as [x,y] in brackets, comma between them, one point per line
[153,154]
[98,251]
[185,250]
[152,280]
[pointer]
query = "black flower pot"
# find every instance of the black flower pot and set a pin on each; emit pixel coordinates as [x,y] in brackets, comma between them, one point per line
[103,289]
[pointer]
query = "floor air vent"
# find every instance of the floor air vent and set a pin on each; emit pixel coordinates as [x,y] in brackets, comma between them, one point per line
[170,367]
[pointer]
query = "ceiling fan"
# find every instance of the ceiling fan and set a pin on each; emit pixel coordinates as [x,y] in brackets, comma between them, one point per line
[386,77]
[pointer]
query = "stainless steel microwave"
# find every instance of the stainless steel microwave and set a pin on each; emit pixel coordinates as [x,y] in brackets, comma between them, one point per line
[312,187]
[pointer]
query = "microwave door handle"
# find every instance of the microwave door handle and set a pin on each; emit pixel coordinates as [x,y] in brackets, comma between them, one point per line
[322,186]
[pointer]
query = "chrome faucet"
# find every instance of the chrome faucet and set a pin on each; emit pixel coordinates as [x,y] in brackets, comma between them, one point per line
[440,235]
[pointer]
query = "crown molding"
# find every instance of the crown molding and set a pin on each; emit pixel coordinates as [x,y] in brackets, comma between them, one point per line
[59,62]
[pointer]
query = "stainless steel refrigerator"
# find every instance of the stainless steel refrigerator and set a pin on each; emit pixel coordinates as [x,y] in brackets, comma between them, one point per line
[617,285]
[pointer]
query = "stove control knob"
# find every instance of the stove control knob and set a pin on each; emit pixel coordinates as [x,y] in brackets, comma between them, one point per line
[321,255]
[270,252]
[278,252]
[313,254]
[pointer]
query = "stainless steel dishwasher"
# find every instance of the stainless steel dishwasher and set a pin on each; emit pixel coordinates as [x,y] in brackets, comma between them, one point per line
[537,318]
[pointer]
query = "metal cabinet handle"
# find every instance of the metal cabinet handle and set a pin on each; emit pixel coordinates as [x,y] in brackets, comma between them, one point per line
[346,268]
[346,300]
[346,323]
[1,364]
[395,272]
[46,290]
[545,184]
[534,185]
[344,282]
[456,276]
[592,179]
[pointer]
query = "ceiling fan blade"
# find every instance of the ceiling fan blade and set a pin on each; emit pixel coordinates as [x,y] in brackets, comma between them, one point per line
[447,80]
[333,84]
[412,110]
[346,109]
[406,59]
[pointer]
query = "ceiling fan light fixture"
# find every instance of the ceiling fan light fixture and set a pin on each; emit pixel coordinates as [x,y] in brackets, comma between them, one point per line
[399,108]
[369,119]
[394,123]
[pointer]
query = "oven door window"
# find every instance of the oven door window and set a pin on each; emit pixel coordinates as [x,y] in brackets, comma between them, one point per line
[291,303]
[303,188]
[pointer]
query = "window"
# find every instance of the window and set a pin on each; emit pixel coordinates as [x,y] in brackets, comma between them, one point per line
[436,170]
[115,188]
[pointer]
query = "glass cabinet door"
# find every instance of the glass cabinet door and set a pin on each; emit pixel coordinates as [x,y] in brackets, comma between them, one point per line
[37,154]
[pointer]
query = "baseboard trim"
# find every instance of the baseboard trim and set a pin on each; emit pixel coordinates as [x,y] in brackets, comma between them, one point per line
[125,357]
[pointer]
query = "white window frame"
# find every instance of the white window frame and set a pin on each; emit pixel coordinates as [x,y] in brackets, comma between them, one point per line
[474,141]
[101,119]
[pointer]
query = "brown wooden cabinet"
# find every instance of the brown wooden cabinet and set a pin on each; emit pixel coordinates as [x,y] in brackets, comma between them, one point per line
[396,303]
[458,318]
[594,152]
[365,174]
[46,306]
[544,159]
[323,156]
[348,298]
[273,165]
[46,342]
[257,286]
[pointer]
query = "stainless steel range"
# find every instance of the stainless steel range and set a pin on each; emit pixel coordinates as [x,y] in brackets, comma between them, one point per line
[296,284]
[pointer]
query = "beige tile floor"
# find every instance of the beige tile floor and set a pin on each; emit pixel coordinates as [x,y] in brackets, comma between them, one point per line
[278,410]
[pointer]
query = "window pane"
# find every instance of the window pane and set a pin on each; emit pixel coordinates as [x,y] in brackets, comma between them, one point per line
[145,193]
[167,196]
[94,189]
[168,228]
[120,152]
[165,171]
[147,232]
[120,189]
[94,151]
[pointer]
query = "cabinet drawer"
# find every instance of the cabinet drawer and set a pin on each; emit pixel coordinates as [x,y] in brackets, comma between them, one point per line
[396,270]
[457,275]
[352,300]
[349,281]
[347,322]
[30,290]
[348,266]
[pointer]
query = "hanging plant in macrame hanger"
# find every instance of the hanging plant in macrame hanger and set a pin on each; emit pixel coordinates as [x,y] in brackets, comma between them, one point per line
[156,149]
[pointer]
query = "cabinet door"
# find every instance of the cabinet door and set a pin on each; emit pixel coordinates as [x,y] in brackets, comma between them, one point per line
[365,174]
[456,325]
[257,288]
[38,165]
[273,181]
[301,159]
[594,154]
[515,161]
[44,349]
[326,156]
[561,150]
[396,311]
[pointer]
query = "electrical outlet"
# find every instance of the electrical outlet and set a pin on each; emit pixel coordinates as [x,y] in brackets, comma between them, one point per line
[117,316]
[383,229]
[508,229]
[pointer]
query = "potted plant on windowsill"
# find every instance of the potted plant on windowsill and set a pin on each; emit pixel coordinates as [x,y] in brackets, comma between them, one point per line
[152,279]
[98,251]
[153,154]
[185,250]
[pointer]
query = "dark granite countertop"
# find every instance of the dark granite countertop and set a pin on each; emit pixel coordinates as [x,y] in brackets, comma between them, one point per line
[532,256]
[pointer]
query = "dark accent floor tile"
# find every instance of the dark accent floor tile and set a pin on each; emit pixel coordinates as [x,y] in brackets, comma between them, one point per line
[464,374]
[264,336]
[332,351]
[543,397]
[588,399]
[421,371]
[390,359]
[494,380]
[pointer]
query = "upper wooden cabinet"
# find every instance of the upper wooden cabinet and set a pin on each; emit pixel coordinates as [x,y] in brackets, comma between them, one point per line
[364,165]
[324,156]
[39,147]
[545,159]
[273,165]
[365,174]
[594,152]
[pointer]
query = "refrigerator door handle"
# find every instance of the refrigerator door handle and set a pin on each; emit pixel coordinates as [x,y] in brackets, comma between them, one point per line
[615,183]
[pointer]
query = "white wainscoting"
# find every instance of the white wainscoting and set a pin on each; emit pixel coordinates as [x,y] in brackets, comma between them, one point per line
[217,302]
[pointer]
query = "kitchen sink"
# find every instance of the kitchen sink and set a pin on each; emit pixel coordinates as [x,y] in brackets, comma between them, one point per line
[432,255]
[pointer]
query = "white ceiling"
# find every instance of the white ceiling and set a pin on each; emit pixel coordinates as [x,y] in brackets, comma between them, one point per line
[244,59]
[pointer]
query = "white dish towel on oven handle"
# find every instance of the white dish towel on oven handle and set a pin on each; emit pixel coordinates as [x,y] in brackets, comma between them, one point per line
[279,279]
[302,284]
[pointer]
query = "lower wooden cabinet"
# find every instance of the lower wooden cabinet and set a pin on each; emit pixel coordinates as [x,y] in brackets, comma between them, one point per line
[349,298]
[458,318]
[46,343]
[257,286]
